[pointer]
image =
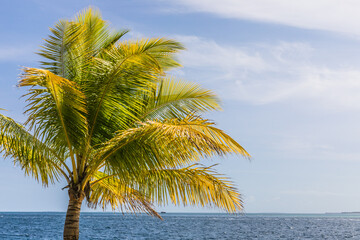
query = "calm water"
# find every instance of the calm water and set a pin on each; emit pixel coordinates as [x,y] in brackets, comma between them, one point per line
[183,226]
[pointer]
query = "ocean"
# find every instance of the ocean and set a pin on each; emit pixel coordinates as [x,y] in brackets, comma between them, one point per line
[16,225]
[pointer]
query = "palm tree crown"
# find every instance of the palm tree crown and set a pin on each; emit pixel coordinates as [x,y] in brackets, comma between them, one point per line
[105,115]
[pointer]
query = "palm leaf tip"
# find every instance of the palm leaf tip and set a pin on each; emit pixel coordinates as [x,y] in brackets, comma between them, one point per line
[194,185]
[110,190]
[197,134]
[33,156]
[174,98]
[55,101]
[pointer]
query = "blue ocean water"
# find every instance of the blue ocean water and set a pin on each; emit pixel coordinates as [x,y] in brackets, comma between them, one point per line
[183,226]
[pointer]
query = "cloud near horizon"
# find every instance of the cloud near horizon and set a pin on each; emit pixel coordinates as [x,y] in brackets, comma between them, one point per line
[330,15]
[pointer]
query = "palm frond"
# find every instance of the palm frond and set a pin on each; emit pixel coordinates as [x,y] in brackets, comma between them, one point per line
[124,71]
[95,30]
[190,134]
[56,108]
[112,40]
[58,48]
[35,158]
[193,185]
[164,144]
[111,191]
[69,50]
[174,98]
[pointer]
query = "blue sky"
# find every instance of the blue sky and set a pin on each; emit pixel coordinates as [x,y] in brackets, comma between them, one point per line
[288,74]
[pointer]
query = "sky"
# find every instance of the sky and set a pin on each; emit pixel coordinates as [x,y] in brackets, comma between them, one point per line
[288,74]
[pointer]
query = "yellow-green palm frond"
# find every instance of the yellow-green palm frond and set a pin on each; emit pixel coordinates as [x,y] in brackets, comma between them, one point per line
[56,108]
[194,185]
[153,55]
[59,47]
[194,134]
[96,35]
[174,98]
[189,134]
[35,158]
[111,40]
[164,144]
[159,51]
[125,70]
[70,48]
[108,190]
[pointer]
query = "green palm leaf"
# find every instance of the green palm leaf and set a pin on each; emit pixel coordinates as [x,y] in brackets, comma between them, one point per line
[109,190]
[191,134]
[34,157]
[56,110]
[194,185]
[57,49]
[56,107]
[127,69]
[176,99]
[164,144]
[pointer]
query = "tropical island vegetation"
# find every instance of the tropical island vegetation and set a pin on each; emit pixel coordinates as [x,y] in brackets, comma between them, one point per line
[104,114]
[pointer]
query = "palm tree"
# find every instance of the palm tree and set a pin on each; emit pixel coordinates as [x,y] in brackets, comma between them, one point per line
[104,115]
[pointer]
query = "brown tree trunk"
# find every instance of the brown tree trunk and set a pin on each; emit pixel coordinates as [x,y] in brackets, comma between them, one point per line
[71,227]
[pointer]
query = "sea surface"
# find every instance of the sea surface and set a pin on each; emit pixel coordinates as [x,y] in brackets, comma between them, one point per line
[183,226]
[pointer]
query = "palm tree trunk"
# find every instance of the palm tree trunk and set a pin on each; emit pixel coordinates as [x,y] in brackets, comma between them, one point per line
[71,227]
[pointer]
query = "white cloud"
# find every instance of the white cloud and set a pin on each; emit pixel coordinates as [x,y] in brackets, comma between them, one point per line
[338,88]
[208,53]
[262,74]
[286,52]
[333,15]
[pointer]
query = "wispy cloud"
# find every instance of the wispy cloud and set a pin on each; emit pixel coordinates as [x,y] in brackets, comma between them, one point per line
[332,88]
[208,53]
[333,15]
[263,74]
